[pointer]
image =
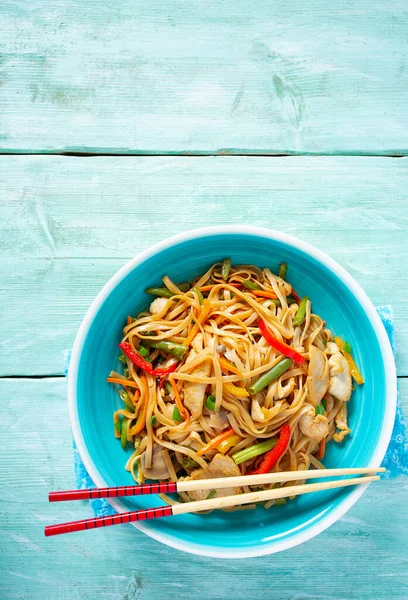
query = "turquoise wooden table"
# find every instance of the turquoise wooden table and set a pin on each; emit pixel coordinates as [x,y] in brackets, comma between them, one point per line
[123,122]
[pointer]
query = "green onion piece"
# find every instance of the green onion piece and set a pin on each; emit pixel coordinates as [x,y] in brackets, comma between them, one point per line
[250,285]
[122,359]
[124,396]
[226,268]
[153,420]
[188,462]
[210,402]
[177,350]
[183,287]
[319,409]
[118,426]
[123,433]
[199,294]
[301,312]
[126,372]
[270,376]
[176,414]
[347,347]
[163,292]
[168,387]
[211,494]
[253,451]
[324,403]
[283,267]
[143,351]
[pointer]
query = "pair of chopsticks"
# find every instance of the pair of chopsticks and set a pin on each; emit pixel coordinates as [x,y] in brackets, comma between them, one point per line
[210,503]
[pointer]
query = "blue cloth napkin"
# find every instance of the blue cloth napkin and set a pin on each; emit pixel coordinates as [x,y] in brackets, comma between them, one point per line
[395,460]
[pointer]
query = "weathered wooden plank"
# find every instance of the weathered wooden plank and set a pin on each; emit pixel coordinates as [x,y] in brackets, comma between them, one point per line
[68,224]
[154,76]
[123,563]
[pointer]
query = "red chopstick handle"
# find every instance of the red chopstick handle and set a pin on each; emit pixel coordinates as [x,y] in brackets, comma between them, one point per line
[136,515]
[114,492]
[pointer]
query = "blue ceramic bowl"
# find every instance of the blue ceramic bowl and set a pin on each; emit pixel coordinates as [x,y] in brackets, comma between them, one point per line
[335,296]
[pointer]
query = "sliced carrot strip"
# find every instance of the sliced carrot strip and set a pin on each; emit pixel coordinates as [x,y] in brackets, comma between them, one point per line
[215,441]
[185,415]
[124,382]
[205,311]
[265,294]
[228,366]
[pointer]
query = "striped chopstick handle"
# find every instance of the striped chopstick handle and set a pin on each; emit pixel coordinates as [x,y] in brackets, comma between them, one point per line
[129,517]
[114,492]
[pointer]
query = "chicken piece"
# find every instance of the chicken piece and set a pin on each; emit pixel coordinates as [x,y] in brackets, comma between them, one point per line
[194,392]
[157,305]
[314,426]
[340,378]
[318,378]
[342,424]
[256,411]
[158,468]
[220,466]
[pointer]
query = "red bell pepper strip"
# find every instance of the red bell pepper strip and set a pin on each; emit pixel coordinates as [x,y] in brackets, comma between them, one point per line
[161,371]
[270,458]
[280,346]
[136,359]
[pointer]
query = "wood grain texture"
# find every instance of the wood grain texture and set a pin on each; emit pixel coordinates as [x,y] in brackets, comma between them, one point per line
[153,76]
[68,224]
[364,554]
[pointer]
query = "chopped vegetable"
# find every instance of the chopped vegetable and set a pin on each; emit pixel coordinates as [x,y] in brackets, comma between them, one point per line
[163,292]
[295,295]
[215,441]
[322,447]
[124,382]
[183,287]
[118,426]
[182,409]
[188,462]
[177,350]
[301,312]
[199,294]
[162,371]
[122,359]
[270,376]
[347,347]
[280,346]
[176,414]
[205,311]
[124,396]
[230,442]
[143,351]
[141,418]
[123,433]
[236,391]
[228,366]
[135,357]
[226,268]
[129,320]
[283,267]
[355,373]
[250,285]
[211,494]
[319,409]
[271,458]
[210,402]
[168,387]
[153,420]
[255,450]
[265,294]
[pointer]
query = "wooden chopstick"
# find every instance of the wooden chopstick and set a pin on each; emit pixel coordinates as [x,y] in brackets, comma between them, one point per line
[200,505]
[204,484]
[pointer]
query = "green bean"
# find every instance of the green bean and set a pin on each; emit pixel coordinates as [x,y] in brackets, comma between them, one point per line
[177,350]
[168,387]
[118,426]
[319,409]
[183,287]
[163,292]
[253,451]
[301,312]
[153,420]
[143,351]
[123,433]
[226,268]
[122,359]
[250,285]
[289,299]
[283,267]
[199,294]
[270,376]
[124,396]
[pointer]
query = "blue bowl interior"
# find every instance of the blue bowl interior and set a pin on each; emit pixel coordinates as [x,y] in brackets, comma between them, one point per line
[331,299]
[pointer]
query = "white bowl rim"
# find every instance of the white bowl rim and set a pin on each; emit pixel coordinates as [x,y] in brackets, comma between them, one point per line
[390,386]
